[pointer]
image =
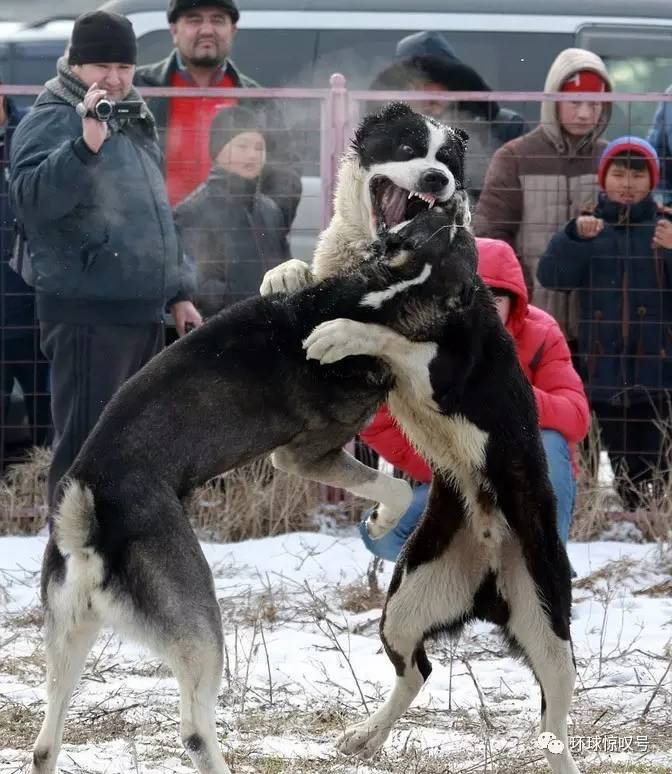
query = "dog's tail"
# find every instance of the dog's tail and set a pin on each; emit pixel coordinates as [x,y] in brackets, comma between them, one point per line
[75,520]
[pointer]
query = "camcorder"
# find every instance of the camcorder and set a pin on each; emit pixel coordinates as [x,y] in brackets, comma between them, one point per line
[106,109]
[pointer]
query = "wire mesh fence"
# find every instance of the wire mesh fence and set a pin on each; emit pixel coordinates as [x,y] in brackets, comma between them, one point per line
[253,186]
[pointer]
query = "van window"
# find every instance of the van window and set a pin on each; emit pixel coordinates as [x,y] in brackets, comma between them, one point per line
[307,58]
[636,74]
[154,46]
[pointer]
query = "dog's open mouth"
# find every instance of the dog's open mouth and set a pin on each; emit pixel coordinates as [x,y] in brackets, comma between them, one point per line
[393,205]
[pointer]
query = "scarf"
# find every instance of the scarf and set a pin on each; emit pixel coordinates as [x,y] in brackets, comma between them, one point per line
[67,86]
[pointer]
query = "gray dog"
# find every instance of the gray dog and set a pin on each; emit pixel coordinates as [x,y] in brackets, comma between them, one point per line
[122,552]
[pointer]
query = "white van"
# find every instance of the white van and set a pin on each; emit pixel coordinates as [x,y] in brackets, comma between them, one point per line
[511,43]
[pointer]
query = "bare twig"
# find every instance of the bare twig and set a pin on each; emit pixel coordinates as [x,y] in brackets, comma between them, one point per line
[268,664]
[656,689]
[481,697]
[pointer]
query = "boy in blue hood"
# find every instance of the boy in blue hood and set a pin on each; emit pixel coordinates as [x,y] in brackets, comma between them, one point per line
[619,258]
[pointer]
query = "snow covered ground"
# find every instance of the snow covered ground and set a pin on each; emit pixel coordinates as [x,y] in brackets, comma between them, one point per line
[303,659]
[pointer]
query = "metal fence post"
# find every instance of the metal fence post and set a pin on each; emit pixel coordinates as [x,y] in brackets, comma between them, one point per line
[334,124]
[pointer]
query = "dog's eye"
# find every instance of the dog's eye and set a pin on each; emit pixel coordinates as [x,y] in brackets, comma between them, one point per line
[405,152]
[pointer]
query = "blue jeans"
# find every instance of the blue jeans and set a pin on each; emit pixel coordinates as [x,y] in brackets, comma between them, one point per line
[559,472]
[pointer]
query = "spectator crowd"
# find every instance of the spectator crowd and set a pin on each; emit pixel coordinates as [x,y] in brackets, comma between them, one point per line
[180,206]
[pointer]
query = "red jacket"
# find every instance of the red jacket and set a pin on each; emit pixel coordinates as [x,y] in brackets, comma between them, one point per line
[543,354]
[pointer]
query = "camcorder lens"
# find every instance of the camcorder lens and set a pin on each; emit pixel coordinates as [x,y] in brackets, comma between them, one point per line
[104,110]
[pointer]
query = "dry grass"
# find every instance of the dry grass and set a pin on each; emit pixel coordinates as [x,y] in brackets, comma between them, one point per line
[598,506]
[257,501]
[251,502]
[23,494]
[365,593]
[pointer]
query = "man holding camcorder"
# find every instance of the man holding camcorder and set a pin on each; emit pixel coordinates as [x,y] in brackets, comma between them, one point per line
[88,191]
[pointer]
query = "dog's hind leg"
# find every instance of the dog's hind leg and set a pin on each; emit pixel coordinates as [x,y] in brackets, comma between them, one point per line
[197,666]
[174,611]
[538,628]
[431,591]
[339,469]
[70,629]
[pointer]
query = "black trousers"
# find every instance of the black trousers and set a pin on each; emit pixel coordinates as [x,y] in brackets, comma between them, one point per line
[88,365]
[634,442]
[22,361]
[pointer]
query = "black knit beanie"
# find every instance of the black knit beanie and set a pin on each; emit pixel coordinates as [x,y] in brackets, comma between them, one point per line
[229,123]
[101,36]
[177,7]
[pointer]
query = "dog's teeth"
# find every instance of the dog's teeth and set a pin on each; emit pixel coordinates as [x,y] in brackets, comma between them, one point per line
[431,204]
[410,194]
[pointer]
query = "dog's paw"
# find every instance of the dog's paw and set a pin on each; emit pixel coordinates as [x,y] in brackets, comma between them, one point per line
[385,516]
[335,339]
[377,526]
[287,277]
[363,739]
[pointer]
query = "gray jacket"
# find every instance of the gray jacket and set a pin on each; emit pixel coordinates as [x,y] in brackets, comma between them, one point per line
[99,227]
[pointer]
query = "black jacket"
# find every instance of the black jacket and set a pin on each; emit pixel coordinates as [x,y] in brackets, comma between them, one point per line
[281,177]
[100,232]
[17,299]
[234,234]
[625,291]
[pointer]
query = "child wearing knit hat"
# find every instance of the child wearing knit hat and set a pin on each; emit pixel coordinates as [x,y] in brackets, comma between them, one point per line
[232,231]
[619,258]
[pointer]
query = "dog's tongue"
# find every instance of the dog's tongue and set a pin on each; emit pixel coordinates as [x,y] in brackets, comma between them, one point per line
[394,205]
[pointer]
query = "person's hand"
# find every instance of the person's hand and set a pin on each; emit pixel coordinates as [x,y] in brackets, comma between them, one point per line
[662,236]
[93,130]
[186,316]
[588,227]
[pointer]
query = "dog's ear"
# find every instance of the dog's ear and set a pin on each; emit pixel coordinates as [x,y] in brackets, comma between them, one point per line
[462,136]
[394,110]
[389,112]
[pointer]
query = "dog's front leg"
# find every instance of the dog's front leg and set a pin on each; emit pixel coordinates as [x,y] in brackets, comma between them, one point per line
[335,339]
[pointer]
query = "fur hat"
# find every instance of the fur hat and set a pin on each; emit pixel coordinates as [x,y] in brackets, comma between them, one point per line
[424,44]
[101,36]
[229,123]
[177,7]
[635,146]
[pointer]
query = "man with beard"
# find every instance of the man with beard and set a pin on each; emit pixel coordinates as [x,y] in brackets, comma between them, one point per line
[203,33]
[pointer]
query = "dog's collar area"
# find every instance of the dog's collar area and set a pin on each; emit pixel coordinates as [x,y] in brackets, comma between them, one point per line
[377,298]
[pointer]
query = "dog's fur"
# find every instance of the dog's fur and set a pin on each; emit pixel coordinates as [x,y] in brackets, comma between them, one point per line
[487,546]
[122,552]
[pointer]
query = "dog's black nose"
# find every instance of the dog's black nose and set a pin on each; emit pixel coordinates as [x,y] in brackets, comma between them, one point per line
[433,181]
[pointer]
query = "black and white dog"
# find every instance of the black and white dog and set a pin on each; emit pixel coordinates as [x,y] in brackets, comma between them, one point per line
[487,546]
[401,163]
[123,553]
